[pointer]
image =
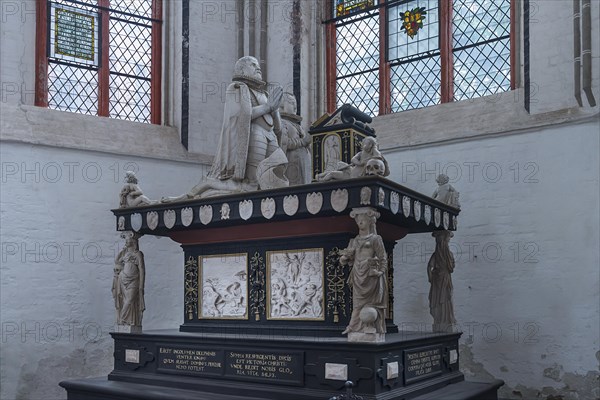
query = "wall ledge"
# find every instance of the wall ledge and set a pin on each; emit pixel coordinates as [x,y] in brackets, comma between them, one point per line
[42,126]
[501,114]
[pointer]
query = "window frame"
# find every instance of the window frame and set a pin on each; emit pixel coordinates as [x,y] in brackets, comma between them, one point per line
[103,106]
[446,52]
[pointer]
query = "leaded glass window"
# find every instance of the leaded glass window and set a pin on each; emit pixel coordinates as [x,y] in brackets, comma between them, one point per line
[102,57]
[460,51]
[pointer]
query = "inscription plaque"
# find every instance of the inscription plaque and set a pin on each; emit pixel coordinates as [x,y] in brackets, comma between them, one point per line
[189,361]
[74,34]
[283,368]
[277,368]
[421,363]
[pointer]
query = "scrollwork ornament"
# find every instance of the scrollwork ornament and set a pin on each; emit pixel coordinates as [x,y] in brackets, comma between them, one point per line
[191,287]
[336,282]
[257,286]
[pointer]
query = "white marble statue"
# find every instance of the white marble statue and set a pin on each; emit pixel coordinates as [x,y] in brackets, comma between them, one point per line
[439,270]
[131,195]
[368,161]
[445,192]
[295,142]
[366,256]
[248,156]
[128,285]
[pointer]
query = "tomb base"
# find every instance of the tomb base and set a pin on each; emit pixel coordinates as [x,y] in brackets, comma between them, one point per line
[168,364]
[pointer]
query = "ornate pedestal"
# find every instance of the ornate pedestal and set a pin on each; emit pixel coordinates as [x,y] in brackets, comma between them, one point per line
[266,300]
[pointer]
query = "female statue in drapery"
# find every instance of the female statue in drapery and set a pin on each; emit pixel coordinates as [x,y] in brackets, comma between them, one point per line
[128,284]
[439,270]
[368,276]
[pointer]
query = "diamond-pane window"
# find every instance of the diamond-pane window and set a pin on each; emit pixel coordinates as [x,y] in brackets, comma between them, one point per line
[481,41]
[102,57]
[461,50]
[357,63]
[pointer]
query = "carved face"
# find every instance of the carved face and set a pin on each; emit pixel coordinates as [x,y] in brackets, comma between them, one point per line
[375,167]
[252,68]
[288,105]
[368,144]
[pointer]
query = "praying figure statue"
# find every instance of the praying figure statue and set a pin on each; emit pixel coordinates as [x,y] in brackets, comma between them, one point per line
[128,285]
[131,195]
[446,192]
[368,161]
[367,258]
[249,156]
[439,273]
[295,142]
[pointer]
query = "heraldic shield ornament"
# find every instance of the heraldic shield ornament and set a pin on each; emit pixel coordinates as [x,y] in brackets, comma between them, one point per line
[206,214]
[291,204]
[395,202]
[267,207]
[169,217]
[136,221]
[246,208]
[187,216]
[339,199]
[314,202]
[152,220]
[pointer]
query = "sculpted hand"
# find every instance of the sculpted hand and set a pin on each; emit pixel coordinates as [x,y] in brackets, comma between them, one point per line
[275,97]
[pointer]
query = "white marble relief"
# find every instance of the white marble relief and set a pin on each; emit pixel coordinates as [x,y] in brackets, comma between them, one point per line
[394,202]
[381,197]
[339,199]
[152,220]
[224,286]
[267,207]
[417,210]
[225,211]
[187,216]
[246,208]
[365,196]
[136,221]
[291,204]
[314,202]
[206,214]
[295,284]
[437,217]
[169,217]
[332,152]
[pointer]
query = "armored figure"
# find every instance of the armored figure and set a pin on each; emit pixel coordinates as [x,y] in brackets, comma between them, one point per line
[248,154]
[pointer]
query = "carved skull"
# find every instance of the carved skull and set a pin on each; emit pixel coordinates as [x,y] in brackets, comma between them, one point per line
[375,167]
